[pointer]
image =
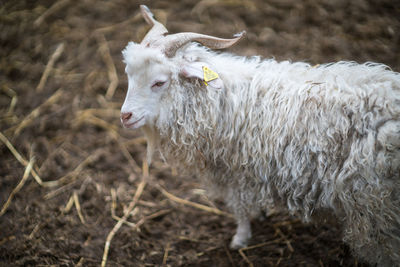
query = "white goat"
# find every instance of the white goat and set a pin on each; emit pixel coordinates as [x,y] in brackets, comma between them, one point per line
[315,140]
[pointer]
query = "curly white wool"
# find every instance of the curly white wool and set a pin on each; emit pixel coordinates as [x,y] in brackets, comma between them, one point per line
[316,140]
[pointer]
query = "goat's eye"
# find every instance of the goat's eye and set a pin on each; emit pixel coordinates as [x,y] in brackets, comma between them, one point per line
[158,84]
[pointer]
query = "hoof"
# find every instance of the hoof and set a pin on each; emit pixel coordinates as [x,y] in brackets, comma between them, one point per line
[238,243]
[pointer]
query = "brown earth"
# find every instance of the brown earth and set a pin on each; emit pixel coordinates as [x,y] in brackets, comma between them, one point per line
[66,118]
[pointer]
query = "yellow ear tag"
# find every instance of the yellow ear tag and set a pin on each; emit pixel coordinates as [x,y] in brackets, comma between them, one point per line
[209,75]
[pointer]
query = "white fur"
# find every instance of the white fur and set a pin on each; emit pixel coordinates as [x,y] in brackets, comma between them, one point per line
[319,141]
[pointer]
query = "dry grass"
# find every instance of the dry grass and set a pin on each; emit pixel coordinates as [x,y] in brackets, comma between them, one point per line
[93,200]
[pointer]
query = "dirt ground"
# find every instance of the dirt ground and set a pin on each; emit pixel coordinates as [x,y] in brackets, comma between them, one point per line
[62,84]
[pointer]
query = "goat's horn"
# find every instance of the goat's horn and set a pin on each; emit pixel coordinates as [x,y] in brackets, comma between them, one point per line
[156,31]
[175,41]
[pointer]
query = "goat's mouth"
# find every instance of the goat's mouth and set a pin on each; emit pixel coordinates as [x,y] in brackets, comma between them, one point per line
[133,125]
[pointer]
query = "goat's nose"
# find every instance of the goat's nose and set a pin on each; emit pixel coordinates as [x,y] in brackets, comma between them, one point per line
[126,116]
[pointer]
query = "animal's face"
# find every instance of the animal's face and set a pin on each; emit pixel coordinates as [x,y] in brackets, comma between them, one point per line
[149,77]
[150,68]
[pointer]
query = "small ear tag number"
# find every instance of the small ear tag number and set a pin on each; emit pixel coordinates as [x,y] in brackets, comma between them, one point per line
[209,75]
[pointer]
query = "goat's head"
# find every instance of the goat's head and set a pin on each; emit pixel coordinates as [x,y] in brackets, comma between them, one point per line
[151,67]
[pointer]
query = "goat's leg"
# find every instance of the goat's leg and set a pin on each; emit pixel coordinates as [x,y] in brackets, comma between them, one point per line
[243,233]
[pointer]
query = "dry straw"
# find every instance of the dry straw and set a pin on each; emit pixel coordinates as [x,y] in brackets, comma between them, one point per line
[132,204]
[49,67]
[18,187]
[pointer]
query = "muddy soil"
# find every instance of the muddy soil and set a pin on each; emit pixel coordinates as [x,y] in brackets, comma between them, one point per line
[62,83]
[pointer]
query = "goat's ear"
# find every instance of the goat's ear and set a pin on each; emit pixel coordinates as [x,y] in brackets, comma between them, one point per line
[200,70]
